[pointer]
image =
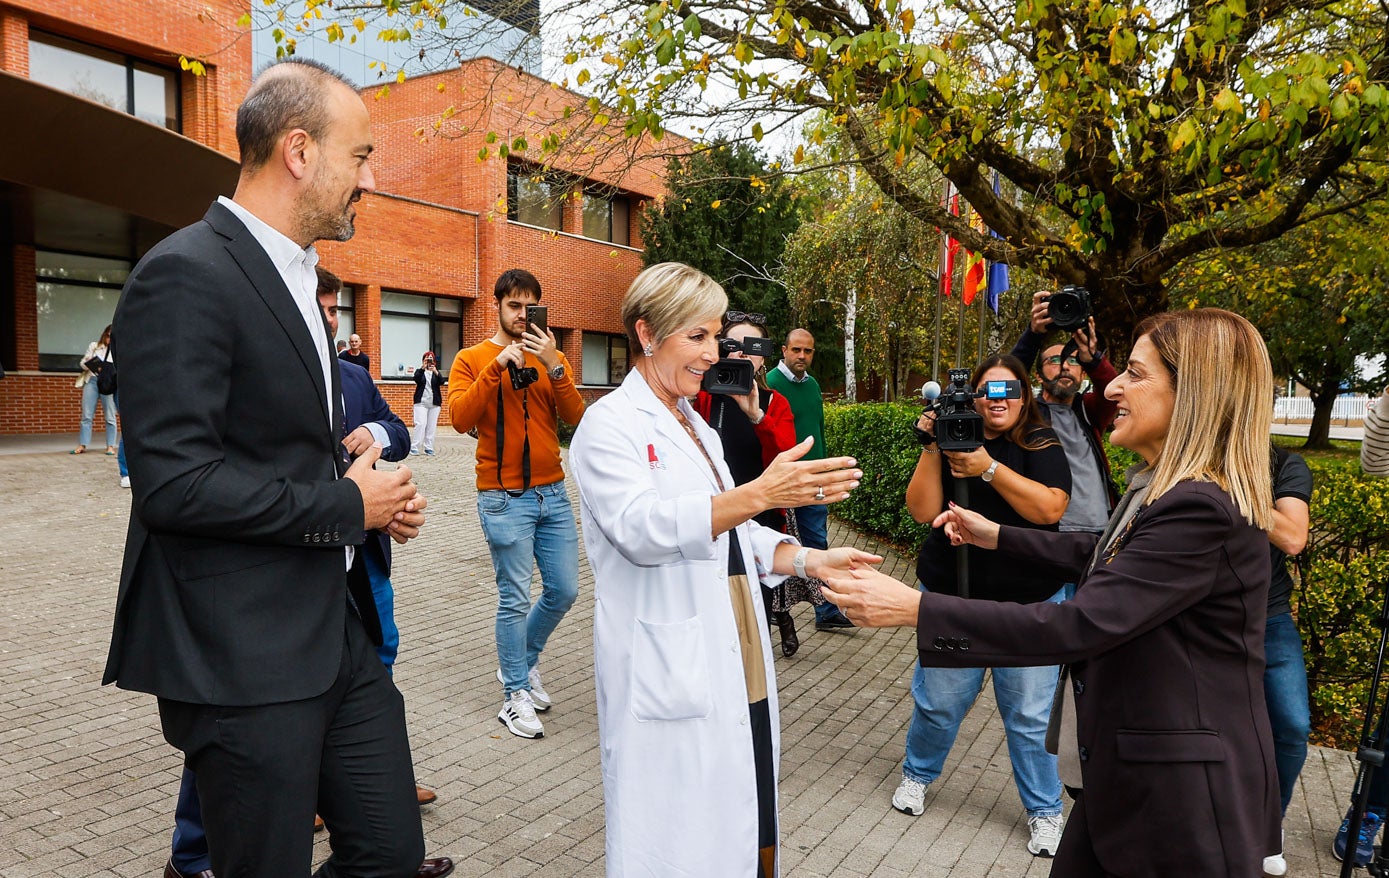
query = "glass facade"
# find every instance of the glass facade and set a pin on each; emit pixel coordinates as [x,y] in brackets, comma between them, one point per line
[108,78]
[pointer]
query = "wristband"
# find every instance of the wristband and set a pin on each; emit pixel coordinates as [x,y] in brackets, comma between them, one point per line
[798,562]
[926,439]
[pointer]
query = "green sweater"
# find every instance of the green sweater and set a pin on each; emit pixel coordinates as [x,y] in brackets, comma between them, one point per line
[807,406]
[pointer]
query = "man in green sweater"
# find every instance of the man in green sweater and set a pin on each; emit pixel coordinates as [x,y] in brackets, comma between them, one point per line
[792,379]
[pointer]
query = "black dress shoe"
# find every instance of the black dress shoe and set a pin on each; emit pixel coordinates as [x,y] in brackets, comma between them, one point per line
[171,872]
[833,623]
[437,867]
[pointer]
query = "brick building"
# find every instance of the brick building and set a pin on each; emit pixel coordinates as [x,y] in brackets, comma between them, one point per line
[118,147]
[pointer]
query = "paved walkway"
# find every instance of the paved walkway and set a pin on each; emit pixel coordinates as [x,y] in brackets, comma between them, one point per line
[87,784]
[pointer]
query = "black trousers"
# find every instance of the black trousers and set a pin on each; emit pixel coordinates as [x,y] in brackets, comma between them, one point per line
[263,771]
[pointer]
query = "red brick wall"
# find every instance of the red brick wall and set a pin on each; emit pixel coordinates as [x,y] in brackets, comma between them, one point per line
[47,403]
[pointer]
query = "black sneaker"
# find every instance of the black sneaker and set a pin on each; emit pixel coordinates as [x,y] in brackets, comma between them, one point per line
[833,623]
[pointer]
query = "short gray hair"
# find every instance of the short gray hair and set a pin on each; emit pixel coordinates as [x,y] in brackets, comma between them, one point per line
[670,296]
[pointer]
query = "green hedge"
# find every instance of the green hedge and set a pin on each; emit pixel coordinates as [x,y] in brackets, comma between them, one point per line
[1342,574]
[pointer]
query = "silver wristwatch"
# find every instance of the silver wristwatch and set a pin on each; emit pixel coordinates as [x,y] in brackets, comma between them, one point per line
[988,474]
[557,373]
[798,562]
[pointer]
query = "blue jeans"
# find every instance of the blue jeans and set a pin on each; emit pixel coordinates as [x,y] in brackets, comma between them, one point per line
[384,597]
[120,451]
[813,523]
[944,695]
[1285,690]
[189,854]
[534,529]
[108,405]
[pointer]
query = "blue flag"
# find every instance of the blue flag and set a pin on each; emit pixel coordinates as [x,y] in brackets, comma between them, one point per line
[998,271]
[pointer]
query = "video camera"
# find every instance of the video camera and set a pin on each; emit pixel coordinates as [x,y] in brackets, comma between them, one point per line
[732,376]
[1069,308]
[958,426]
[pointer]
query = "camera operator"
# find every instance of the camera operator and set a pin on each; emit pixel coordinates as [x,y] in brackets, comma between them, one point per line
[1019,474]
[509,388]
[1079,419]
[1374,450]
[754,427]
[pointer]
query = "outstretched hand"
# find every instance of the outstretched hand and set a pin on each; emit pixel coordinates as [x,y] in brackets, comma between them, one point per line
[964,526]
[872,599]
[789,482]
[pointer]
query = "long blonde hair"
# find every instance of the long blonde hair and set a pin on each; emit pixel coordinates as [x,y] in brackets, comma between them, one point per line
[1223,408]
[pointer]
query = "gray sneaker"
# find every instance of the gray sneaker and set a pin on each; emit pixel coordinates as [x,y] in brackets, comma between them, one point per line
[540,699]
[1046,834]
[910,797]
[518,712]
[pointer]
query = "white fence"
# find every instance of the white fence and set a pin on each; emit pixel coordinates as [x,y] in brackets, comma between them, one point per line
[1299,408]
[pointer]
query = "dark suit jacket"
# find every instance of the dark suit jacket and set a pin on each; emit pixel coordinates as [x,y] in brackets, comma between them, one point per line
[1166,645]
[233,589]
[363,404]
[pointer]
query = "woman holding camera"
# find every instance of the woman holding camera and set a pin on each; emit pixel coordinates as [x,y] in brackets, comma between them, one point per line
[1018,475]
[97,351]
[688,731]
[755,427]
[1165,636]
[429,396]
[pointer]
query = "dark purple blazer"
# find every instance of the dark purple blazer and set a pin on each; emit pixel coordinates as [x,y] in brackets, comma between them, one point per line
[1166,644]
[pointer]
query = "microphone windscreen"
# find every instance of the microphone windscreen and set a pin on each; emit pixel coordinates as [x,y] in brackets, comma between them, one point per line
[930,390]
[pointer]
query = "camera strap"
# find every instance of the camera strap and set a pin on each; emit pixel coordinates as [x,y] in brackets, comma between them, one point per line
[525,446]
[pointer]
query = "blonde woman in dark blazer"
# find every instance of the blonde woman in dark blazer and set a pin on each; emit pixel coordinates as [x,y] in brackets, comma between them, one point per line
[1165,635]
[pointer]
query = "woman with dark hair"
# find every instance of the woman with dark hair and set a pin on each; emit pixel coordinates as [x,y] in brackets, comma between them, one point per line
[1165,636]
[1018,475]
[86,380]
[755,427]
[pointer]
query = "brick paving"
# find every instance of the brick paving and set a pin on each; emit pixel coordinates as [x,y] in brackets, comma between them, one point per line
[87,784]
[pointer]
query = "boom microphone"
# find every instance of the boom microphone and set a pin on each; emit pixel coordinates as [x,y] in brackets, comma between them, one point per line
[930,391]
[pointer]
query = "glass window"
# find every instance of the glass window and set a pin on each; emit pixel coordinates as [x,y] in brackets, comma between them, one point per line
[534,197]
[605,217]
[604,358]
[109,78]
[347,318]
[411,325]
[77,296]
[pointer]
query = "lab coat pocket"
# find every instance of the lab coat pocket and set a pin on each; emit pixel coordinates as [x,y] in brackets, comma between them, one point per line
[670,671]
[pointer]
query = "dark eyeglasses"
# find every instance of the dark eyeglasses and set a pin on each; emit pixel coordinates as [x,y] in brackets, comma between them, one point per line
[734,317]
[1056,360]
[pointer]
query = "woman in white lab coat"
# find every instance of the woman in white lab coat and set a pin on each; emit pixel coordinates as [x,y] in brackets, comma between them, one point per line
[687,711]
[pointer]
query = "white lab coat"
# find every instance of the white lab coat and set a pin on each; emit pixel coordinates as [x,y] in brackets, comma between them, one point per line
[676,750]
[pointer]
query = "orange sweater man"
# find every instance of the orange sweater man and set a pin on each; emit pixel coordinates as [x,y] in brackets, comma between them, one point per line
[520,374]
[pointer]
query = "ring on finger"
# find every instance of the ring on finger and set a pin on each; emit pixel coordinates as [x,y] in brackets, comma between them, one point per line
[820,493]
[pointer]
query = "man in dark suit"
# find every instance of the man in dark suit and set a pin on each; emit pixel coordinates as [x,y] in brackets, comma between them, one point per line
[243,598]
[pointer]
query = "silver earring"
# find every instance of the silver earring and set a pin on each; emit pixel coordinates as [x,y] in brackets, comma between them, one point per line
[646,350]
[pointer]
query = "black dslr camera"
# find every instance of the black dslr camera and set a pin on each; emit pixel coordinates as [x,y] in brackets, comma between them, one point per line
[958,426]
[733,377]
[1069,308]
[522,376]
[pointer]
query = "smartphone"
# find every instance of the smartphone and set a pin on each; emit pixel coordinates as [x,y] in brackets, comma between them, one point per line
[538,319]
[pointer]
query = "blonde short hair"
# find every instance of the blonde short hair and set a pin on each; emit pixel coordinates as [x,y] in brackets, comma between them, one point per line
[1223,411]
[670,296]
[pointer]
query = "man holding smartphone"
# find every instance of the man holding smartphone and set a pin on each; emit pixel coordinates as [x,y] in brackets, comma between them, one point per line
[510,389]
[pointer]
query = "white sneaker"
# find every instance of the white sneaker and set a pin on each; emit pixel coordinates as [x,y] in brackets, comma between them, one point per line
[540,699]
[1276,865]
[519,715]
[125,481]
[910,797]
[1046,835]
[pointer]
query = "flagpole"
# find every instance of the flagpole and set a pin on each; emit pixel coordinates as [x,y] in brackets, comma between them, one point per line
[983,312]
[942,281]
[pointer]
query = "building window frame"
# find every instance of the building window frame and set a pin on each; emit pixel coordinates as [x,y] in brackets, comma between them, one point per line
[531,208]
[612,350]
[131,64]
[444,314]
[67,361]
[614,225]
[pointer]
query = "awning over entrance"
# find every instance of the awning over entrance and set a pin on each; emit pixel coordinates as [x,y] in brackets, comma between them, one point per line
[65,146]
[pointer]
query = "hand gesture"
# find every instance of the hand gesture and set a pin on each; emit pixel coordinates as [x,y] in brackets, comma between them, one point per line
[358,441]
[789,482]
[1041,314]
[872,599]
[389,499]
[514,354]
[543,347]
[965,527]
[1086,340]
[822,563]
